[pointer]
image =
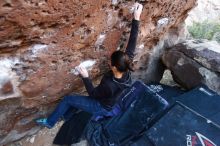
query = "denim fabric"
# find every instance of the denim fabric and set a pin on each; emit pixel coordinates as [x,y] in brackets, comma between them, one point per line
[84,103]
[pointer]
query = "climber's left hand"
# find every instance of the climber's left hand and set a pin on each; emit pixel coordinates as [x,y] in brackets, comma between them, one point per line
[137,10]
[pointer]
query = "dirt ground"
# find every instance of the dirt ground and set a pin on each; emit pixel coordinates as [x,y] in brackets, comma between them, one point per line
[43,138]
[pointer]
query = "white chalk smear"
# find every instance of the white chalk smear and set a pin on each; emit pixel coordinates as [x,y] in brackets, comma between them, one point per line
[7,74]
[162,22]
[37,48]
[100,39]
[6,65]
[8,62]
[141,46]
[114,2]
[86,64]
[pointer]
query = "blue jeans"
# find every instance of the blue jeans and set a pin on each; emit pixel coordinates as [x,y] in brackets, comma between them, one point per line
[85,103]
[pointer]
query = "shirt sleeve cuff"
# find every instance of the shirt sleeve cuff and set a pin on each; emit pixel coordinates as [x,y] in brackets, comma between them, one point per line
[136,21]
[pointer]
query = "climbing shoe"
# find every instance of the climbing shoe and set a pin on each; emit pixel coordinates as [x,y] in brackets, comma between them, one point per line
[43,122]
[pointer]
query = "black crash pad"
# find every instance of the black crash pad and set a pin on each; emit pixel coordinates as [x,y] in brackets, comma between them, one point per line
[184,127]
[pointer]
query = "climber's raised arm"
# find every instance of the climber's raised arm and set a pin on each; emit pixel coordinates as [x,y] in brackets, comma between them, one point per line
[134,31]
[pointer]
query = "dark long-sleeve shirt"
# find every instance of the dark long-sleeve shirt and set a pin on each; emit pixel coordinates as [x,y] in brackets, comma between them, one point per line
[110,88]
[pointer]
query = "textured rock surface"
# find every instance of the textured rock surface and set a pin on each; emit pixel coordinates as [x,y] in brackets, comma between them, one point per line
[195,62]
[41,40]
[205,10]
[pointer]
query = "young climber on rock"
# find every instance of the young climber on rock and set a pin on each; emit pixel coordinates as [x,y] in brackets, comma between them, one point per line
[101,98]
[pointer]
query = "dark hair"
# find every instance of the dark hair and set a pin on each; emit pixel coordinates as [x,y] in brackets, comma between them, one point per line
[121,61]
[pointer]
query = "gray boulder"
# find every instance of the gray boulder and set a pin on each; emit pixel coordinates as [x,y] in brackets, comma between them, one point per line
[195,62]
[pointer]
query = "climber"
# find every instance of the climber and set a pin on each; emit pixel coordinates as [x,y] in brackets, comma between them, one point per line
[104,96]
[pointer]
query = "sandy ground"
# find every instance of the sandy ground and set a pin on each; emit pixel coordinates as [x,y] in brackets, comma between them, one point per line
[43,138]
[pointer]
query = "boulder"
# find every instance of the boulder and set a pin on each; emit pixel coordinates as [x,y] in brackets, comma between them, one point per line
[42,40]
[195,62]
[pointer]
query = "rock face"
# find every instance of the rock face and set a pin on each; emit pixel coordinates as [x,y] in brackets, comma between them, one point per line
[205,10]
[195,62]
[42,40]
